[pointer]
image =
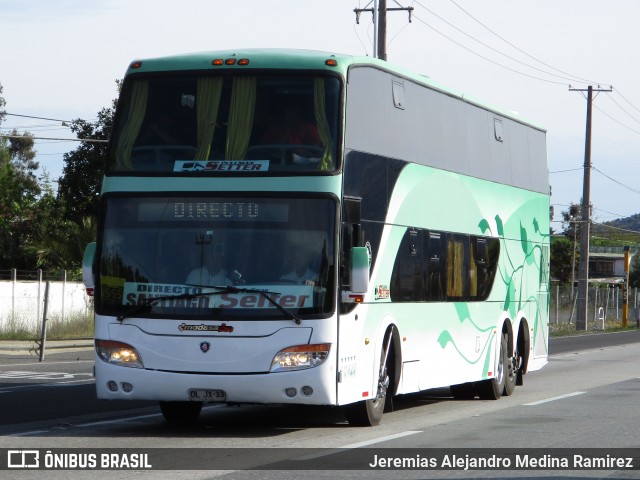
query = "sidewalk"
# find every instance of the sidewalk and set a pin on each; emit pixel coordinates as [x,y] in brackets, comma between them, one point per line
[22,347]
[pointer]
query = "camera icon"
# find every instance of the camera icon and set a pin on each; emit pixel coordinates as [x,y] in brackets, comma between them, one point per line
[23,459]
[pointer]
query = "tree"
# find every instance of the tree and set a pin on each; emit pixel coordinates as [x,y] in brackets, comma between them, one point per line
[79,186]
[19,191]
[561,258]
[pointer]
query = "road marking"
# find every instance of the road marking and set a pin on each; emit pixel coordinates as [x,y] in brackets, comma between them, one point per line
[359,445]
[44,364]
[36,375]
[109,422]
[552,399]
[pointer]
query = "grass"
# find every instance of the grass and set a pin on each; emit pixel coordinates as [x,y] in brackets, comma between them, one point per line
[73,327]
[566,329]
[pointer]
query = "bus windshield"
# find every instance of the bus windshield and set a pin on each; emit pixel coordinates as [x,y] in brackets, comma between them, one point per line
[226,124]
[181,248]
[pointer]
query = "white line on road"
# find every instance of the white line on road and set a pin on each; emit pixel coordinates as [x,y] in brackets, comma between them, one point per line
[359,445]
[44,364]
[552,399]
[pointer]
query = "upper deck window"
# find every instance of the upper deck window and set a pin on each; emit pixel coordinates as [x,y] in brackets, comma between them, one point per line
[239,124]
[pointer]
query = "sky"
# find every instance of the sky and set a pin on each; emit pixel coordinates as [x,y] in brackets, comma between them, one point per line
[60,59]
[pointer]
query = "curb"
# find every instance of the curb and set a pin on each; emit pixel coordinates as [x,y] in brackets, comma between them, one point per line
[27,346]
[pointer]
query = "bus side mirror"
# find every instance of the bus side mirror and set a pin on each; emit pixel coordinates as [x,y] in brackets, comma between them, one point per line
[88,277]
[360,263]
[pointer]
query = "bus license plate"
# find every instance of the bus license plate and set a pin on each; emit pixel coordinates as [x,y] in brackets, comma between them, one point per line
[208,395]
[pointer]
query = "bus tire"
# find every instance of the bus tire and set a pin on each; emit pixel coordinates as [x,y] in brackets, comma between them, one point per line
[492,389]
[511,370]
[368,413]
[180,412]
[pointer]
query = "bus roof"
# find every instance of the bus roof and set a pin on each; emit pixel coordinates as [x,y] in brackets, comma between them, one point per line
[281,59]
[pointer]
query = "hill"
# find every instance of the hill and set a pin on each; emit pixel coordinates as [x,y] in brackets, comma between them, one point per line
[627,223]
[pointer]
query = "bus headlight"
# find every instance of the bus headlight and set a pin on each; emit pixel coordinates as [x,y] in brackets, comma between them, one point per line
[300,357]
[118,353]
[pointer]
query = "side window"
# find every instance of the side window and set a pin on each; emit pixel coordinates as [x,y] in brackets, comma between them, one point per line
[484,261]
[444,267]
[407,284]
[457,267]
[434,267]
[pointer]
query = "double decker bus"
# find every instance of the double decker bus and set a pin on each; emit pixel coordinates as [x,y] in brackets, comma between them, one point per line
[295,227]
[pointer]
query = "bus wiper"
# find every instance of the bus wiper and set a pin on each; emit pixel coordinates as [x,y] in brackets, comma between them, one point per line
[266,294]
[219,290]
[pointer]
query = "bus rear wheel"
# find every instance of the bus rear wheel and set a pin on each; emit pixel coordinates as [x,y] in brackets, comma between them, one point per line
[180,412]
[493,388]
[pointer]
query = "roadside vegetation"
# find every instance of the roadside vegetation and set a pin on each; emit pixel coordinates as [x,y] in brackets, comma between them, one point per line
[610,326]
[72,328]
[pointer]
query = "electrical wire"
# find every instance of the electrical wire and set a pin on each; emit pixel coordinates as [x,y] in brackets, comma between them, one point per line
[631,189]
[88,140]
[579,79]
[486,58]
[546,72]
[37,118]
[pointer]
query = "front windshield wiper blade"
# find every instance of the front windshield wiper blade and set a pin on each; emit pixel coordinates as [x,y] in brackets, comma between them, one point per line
[266,294]
[219,290]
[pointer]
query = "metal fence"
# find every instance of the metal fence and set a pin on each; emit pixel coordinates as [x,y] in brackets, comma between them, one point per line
[605,303]
[22,298]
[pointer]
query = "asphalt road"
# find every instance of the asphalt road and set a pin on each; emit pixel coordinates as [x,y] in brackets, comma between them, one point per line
[588,396]
[65,381]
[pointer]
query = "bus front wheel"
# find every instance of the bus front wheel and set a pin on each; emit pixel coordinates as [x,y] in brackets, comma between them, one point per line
[180,412]
[368,413]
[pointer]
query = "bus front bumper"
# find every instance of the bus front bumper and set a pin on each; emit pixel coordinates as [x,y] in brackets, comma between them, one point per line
[312,386]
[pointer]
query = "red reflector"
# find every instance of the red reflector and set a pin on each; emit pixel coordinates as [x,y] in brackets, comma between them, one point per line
[230,61]
[136,64]
[90,291]
[365,394]
[243,61]
[218,61]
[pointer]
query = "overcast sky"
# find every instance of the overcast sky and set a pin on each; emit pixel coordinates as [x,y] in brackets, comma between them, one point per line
[59,59]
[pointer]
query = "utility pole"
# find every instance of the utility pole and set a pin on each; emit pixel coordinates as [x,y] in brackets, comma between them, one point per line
[583,266]
[379,11]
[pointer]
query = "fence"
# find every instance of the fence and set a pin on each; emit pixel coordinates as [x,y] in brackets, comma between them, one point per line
[604,302]
[22,300]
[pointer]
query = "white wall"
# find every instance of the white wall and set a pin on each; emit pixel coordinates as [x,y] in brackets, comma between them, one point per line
[24,302]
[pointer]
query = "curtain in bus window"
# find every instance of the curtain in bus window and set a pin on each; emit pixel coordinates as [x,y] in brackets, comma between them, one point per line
[473,268]
[137,109]
[323,125]
[455,268]
[243,102]
[209,93]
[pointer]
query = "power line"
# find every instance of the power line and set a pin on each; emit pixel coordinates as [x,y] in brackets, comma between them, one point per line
[581,80]
[88,140]
[485,58]
[568,170]
[631,189]
[38,118]
[571,78]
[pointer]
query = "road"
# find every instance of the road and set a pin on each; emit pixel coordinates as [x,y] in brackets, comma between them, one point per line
[586,397]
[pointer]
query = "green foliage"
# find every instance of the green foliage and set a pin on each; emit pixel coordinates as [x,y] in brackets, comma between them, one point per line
[562,258]
[39,229]
[79,186]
